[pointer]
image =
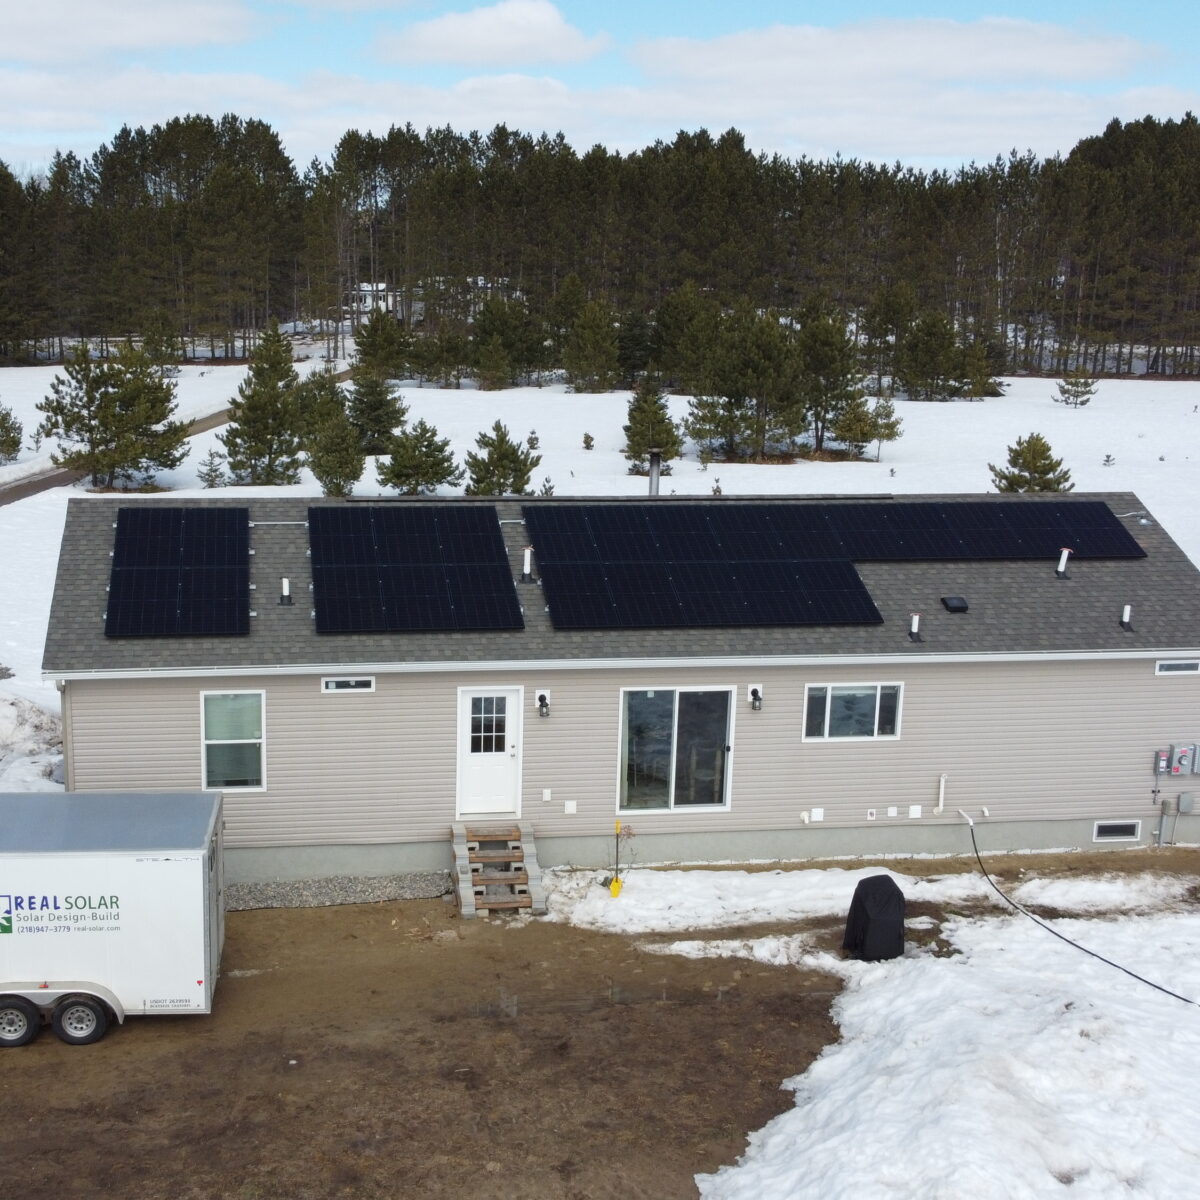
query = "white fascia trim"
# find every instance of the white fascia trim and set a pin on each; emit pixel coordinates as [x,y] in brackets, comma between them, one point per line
[739,662]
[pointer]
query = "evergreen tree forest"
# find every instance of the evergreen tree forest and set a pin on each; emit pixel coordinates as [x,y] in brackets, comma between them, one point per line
[204,230]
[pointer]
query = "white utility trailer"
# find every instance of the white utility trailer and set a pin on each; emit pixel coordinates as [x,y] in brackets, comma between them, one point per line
[111,905]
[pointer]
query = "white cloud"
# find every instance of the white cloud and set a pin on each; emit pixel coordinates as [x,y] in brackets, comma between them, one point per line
[510,34]
[54,31]
[853,91]
[991,50]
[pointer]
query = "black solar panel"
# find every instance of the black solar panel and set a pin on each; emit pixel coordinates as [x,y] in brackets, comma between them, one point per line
[179,572]
[431,568]
[668,565]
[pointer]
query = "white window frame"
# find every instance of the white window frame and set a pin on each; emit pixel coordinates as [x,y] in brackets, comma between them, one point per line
[356,682]
[825,739]
[260,742]
[1177,666]
[726,802]
[1136,836]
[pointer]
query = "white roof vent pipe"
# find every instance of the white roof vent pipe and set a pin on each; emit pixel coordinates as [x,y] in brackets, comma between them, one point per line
[914,628]
[1061,569]
[285,591]
[1127,618]
[655,468]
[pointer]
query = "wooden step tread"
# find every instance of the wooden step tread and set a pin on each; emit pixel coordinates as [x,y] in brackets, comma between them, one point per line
[490,856]
[482,877]
[493,833]
[503,901]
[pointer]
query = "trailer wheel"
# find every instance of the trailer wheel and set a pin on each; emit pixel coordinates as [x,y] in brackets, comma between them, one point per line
[79,1020]
[20,1021]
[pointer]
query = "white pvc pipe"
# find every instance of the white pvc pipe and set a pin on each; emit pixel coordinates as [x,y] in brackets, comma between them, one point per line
[1062,559]
[527,568]
[1126,614]
[941,794]
[965,817]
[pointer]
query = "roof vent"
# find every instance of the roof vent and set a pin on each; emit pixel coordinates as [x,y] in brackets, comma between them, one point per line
[954,603]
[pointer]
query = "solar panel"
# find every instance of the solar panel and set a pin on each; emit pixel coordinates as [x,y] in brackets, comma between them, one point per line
[663,564]
[430,568]
[179,572]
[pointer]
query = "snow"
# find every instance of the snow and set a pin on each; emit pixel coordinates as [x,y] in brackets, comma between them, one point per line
[1016,1066]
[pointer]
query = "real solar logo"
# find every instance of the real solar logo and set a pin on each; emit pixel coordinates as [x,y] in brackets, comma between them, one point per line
[6,909]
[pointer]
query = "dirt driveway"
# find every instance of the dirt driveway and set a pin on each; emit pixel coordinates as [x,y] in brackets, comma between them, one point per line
[393,1050]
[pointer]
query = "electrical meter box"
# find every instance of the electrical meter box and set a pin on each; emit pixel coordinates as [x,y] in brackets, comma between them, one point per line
[1162,762]
[1182,759]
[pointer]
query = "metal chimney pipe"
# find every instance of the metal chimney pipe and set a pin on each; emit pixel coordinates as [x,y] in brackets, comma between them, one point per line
[655,468]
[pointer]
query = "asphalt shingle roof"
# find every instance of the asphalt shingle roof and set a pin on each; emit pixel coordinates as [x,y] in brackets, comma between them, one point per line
[1014,607]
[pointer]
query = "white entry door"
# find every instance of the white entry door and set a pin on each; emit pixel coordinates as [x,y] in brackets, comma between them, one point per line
[489,750]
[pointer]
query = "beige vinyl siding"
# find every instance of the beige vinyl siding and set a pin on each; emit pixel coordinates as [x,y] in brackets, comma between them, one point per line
[1028,741]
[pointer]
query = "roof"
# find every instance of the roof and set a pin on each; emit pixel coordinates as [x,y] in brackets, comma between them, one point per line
[120,822]
[1015,608]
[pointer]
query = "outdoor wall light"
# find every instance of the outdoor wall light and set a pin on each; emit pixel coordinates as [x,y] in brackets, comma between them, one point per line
[755,699]
[543,704]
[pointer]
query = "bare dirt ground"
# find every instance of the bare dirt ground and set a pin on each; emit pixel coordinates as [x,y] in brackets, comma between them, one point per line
[394,1050]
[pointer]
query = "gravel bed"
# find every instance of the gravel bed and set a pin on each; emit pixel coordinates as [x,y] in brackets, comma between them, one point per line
[337,889]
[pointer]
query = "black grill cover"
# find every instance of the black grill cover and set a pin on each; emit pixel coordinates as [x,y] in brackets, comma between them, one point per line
[875,925]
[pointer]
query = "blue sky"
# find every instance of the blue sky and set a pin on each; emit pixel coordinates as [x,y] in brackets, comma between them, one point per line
[934,84]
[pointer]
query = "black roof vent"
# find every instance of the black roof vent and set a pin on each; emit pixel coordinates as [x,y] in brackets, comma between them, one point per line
[954,603]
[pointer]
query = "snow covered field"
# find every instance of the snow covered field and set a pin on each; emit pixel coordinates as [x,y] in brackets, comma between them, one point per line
[1016,1068]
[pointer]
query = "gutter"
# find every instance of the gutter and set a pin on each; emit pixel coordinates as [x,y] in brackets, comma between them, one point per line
[514,666]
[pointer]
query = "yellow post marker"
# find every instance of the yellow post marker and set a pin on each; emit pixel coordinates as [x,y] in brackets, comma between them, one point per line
[614,888]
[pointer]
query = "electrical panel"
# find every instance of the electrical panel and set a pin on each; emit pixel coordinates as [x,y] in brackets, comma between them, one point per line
[1162,762]
[1183,759]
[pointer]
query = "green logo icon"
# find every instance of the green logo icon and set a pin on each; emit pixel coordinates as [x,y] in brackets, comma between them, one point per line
[6,914]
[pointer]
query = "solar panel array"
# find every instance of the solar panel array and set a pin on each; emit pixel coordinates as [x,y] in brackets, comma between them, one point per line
[431,568]
[179,572]
[665,565]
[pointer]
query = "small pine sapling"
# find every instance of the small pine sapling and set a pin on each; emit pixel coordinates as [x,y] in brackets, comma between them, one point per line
[211,472]
[1108,461]
[1032,467]
[588,441]
[10,435]
[1075,389]
[547,488]
[532,440]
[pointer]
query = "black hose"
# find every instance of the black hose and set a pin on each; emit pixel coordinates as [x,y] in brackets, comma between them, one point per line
[1062,936]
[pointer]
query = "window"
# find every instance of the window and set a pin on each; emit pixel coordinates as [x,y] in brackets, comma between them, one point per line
[675,748]
[233,739]
[855,710]
[1116,831]
[1182,666]
[352,683]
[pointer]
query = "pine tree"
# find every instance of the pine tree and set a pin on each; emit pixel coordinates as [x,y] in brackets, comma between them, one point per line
[262,441]
[590,355]
[887,424]
[316,396]
[335,454]
[374,411]
[113,419]
[420,462]
[381,345]
[211,471]
[1075,389]
[633,345]
[1032,468]
[829,373]
[650,427]
[854,426]
[11,434]
[926,359]
[503,469]
[974,373]
[494,370]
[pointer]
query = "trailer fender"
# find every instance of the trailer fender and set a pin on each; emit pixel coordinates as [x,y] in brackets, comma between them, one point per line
[46,995]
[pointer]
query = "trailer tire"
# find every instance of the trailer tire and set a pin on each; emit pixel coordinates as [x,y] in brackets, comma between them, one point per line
[79,1020]
[20,1021]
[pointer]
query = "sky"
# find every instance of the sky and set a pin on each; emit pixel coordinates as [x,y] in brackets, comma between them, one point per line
[937,84]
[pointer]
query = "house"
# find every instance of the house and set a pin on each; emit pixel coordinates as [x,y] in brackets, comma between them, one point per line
[733,678]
